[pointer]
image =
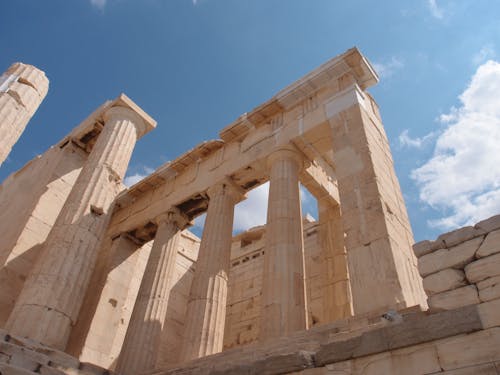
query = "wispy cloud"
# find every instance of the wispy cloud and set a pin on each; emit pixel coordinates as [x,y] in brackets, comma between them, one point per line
[487,52]
[388,68]
[138,176]
[99,4]
[462,178]
[436,11]
[418,142]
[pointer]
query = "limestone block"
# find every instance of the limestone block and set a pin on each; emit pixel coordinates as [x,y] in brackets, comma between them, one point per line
[489,225]
[467,350]
[422,248]
[489,313]
[489,289]
[444,280]
[483,268]
[455,257]
[459,235]
[490,245]
[484,369]
[449,300]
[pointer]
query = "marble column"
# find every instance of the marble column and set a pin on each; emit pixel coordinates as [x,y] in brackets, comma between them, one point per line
[206,311]
[54,291]
[140,349]
[22,89]
[283,304]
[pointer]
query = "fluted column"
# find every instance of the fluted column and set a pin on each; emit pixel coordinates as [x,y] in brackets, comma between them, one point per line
[53,293]
[206,311]
[283,292]
[140,349]
[22,89]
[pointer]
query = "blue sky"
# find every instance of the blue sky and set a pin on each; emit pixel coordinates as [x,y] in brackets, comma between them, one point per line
[197,65]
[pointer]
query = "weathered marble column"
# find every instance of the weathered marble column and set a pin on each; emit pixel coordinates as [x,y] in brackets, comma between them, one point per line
[140,349]
[22,89]
[283,291]
[52,295]
[206,311]
[337,298]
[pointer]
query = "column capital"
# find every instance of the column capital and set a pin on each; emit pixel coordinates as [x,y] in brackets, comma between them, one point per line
[227,185]
[119,113]
[173,215]
[287,152]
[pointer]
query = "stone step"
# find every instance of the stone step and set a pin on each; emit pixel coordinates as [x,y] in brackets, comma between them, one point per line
[21,356]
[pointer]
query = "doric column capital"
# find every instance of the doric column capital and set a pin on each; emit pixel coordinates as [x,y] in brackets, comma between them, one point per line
[287,152]
[123,113]
[227,186]
[175,216]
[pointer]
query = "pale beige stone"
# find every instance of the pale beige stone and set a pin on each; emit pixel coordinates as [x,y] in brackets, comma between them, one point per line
[483,268]
[455,257]
[53,294]
[490,224]
[490,245]
[452,299]
[283,303]
[422,248]
[490,313]
[444,280]
[22,89]
[206,309]
[489,288]
[142,342]
[467,350]
[458,236]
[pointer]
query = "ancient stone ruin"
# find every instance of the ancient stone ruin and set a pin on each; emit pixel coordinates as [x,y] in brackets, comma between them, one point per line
[98,278]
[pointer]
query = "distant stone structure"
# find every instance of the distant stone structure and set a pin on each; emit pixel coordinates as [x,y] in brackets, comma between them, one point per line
[98,278]
[22,89]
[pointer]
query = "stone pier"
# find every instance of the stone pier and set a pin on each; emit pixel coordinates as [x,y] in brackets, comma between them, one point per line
[50,301]
[142,342]
[22,89]
[206,310]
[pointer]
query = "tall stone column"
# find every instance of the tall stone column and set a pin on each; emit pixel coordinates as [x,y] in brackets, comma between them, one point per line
[206,311]
[53,293]
[337,299]
[22,89]
[140,349]
[283,303]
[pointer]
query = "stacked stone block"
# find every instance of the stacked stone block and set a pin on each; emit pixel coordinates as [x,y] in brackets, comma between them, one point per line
[461,267]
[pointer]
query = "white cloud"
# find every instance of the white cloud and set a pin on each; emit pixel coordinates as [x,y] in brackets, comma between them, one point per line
[418,142]
[99,4]
[487,52]
[436,11]
[136,177]
[387,69]
[252,211]
[462,178]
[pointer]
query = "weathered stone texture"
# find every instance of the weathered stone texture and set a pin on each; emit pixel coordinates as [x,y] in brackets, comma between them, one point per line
[455,257]
[22,89]
[483,268]
[452,299]
[444,280]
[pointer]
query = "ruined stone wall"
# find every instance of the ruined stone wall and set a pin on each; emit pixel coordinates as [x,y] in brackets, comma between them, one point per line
[462,267]
[30,201]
